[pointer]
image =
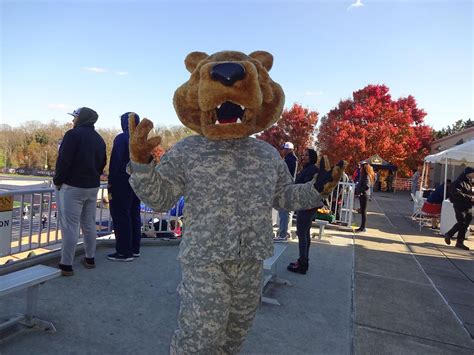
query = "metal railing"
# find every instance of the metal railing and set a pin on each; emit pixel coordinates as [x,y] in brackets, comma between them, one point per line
[33,220]
[342,202]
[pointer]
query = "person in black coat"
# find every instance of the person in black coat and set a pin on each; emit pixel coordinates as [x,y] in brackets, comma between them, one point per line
[304,218]
[81,161]
[362,189]
[462,199]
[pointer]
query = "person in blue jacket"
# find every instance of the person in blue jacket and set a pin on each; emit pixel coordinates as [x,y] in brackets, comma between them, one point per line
[124,204]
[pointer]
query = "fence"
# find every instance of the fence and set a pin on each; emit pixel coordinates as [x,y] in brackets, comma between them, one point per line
[403,184]
[21,229]
[28,171]
[29,219]
[343,205]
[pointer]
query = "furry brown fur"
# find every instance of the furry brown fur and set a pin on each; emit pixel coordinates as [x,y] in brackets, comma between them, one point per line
[140,146]
[196,100]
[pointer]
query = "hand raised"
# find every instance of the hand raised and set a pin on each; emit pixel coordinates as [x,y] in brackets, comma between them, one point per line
[328,177]
[140,145]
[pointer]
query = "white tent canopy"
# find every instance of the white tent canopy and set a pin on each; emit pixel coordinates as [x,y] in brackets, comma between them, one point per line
[457,155]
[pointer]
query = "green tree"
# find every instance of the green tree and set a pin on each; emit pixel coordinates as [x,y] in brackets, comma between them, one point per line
[456,127]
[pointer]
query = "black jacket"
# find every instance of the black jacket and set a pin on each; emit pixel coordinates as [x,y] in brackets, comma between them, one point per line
[306,174]
[290,160]
[81,158]
[363,186]
[461,193]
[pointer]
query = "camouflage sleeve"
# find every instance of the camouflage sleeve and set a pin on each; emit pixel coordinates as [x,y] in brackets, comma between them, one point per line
[160,185]
[294,197]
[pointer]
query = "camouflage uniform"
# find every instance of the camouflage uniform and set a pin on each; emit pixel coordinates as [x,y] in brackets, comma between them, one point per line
[230,187]
[218,304]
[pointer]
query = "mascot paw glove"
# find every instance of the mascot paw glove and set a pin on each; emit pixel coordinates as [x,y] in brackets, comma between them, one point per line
[141,146]
[328,177]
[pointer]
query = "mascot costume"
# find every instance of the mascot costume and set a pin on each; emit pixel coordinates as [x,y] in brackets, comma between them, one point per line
[230,182]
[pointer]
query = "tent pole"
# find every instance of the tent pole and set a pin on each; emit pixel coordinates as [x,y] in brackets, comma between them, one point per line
[394,187]
[445,177]
[428,172]
[422,177]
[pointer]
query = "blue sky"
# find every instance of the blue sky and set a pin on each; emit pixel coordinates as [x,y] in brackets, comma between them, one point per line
[118,56]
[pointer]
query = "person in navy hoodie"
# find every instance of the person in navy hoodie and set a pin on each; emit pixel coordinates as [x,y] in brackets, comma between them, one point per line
[124,204]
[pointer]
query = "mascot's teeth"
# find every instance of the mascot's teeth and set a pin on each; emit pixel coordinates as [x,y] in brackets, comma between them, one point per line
[217,122]
[242,107]
[219,106]
[239,120]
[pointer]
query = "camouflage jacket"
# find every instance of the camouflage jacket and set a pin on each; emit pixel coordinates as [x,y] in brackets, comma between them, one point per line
[230,187]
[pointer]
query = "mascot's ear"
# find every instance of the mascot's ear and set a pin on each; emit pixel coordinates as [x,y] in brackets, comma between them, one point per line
[263,57]
[193,59]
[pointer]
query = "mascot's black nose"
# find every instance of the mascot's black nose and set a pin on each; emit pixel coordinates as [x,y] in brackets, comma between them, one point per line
[228,73]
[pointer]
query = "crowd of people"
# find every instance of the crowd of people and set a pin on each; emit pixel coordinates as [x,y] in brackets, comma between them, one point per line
[366,181]
[82,159]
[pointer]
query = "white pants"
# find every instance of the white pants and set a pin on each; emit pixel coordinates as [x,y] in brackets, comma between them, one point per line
[76,208]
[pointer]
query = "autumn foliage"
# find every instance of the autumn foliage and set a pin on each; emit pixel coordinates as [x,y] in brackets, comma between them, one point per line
[296,125]
[373,123]
[35,144]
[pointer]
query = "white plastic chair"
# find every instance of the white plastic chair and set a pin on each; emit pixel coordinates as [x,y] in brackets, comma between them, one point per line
[417,205]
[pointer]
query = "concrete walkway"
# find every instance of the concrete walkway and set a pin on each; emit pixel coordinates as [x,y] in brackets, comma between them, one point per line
[391,290]
[413,293]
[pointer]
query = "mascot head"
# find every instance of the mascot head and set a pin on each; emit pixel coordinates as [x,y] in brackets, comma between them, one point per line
[229,94]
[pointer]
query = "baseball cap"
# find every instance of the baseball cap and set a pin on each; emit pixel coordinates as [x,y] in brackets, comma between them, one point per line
[76,112]
[84,115]
[288,145]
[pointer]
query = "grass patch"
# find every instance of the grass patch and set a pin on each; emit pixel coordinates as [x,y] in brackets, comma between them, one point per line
[17,204]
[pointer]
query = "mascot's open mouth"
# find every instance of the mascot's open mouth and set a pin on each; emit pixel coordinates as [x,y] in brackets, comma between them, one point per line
[228,112]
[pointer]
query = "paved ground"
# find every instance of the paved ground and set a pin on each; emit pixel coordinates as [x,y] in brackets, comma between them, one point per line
[391,290]
[413,294]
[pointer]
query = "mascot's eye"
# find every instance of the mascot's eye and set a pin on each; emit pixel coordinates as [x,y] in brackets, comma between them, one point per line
[228,73]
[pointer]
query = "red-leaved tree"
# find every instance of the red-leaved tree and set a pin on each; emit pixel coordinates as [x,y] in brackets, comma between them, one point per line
[372,123]
[296,125]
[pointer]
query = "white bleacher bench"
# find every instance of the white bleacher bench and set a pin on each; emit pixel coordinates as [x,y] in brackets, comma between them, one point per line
[28,279]
[321,224]
[269,272]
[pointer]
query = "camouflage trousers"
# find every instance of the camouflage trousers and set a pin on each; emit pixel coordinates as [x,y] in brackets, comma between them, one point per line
[218,305]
